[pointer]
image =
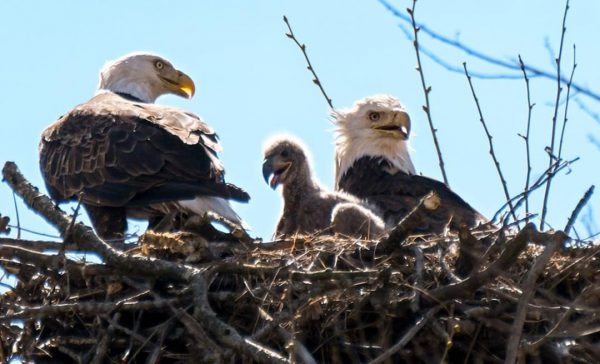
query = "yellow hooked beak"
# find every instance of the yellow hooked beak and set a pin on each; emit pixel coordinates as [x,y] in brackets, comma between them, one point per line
[398,124]
[180,84]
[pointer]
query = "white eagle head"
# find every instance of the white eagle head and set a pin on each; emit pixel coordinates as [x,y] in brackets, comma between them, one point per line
[145,76]
[376,126]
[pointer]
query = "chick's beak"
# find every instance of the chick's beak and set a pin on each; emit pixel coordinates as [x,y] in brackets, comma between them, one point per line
[275,168]
[267,170]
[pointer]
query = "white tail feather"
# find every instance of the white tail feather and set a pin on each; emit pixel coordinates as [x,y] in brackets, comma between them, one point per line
[220,206]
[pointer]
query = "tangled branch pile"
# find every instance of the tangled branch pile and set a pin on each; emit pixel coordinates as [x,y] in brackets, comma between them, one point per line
[486,296]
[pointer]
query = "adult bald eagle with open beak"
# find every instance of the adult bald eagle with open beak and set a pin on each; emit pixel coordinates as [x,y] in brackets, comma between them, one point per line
[373,163]
[127,157]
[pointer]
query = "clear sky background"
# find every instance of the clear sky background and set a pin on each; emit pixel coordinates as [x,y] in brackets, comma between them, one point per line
[252,83]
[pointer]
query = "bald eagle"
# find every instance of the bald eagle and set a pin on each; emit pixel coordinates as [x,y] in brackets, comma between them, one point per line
[127,157]
[308,207]
[373,162]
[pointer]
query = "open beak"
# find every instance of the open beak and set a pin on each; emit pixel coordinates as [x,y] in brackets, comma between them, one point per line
[180,84]
[399,125]
[273,171]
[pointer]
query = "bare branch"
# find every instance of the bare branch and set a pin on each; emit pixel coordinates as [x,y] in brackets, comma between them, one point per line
[562,133]
[555,116]
[426,91]
[491,144]
[526,138]
[310,67]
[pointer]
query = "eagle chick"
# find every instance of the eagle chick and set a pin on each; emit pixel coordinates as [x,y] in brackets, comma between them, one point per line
[307,206]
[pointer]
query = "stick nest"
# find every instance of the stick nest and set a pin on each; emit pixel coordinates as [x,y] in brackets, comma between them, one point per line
[470,296]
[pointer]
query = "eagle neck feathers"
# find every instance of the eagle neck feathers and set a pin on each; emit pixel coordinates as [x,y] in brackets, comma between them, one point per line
[349,149]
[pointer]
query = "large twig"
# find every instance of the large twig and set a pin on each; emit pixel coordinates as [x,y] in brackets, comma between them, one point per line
[556,240]
[555,115]
[526,138]
[409,223]
[491,144]
[426,91]
[310,67]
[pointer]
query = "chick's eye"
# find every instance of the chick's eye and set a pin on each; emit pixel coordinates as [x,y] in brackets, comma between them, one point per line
[374,116]
[159,65]
[284,153]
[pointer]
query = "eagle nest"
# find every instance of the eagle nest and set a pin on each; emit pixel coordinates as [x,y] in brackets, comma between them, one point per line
[475,296]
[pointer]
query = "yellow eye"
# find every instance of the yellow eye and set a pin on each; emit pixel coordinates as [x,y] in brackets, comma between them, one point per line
[159,65]
[374,116]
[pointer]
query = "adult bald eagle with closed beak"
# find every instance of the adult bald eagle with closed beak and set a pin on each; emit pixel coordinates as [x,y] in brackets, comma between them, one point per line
[124,156]
[373,162]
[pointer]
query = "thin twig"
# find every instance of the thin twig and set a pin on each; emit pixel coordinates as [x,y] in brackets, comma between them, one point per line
[549,173]
[492,153]
[17,216]
[562,133]
[310,67]
[584,200]
[555,116]
[526,138]
[87,308]
[31,231]
[426,91]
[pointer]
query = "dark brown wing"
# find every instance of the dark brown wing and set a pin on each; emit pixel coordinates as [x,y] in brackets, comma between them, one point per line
[397,194]
[123,153]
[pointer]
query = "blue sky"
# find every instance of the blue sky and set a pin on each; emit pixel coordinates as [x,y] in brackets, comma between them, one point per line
[252,83]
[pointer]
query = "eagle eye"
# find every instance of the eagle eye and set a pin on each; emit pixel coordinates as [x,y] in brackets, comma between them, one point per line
[284,153]
[159,65]
[374,116]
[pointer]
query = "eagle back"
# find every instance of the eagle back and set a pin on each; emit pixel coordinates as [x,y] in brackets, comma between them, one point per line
[113,149]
